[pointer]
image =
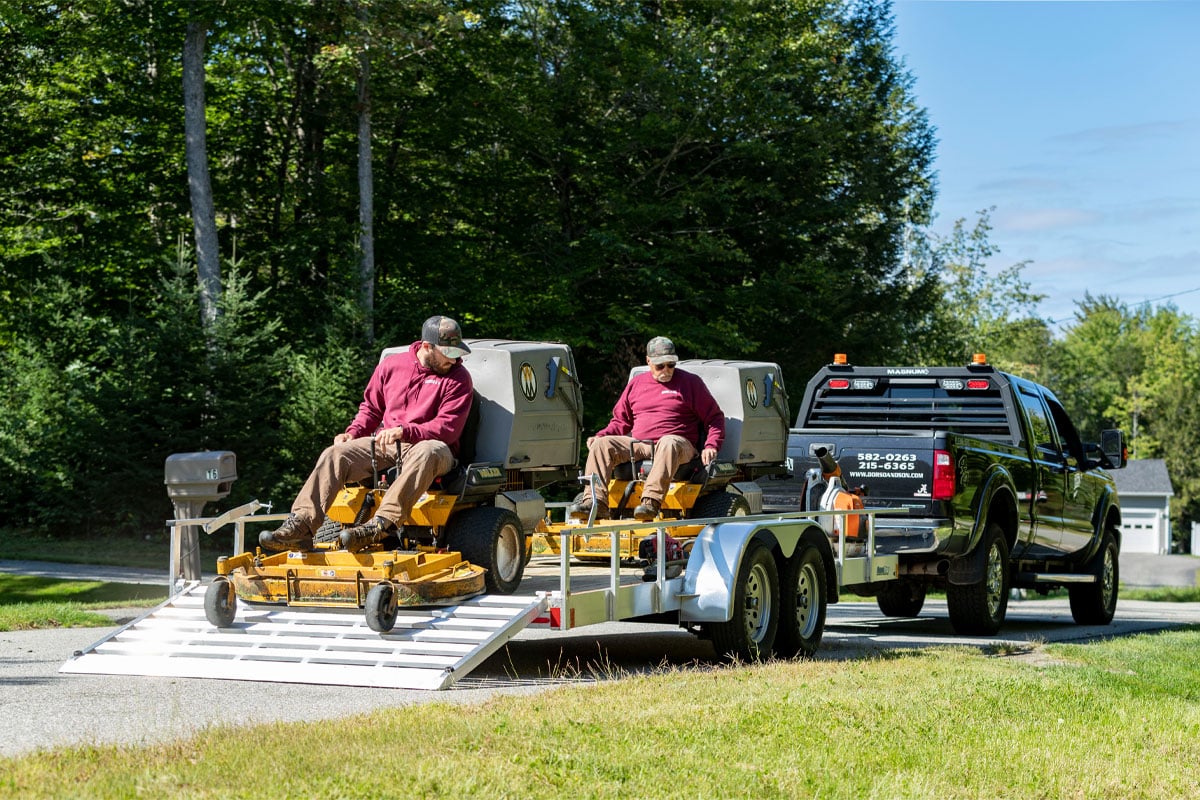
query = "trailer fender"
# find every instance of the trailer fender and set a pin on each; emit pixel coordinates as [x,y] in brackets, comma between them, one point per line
[707,594]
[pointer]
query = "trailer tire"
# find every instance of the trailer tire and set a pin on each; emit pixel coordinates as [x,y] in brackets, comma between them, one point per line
[901,598]
[720,504]
[749,635]
[803,603]
[380,607]
[978,608]
[220,603]
[491,538]
[1096,603]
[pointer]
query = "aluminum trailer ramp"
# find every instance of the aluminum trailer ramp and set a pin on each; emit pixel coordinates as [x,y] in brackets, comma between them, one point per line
[429,648]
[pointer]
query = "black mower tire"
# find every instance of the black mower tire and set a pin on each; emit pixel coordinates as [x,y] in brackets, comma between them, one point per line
[1096,603]
[491,538]
[720,504]
[329,531]
[220,603]
[804,600]
[902,598]
[380,607]
[978,608]
[749,635]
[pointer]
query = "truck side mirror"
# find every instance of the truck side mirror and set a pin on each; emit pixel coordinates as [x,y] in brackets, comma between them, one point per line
[1112,444]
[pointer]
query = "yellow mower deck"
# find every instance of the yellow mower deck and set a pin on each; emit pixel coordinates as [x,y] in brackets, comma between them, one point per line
[342,578]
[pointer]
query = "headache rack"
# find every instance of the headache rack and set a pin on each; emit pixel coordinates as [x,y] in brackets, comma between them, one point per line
[870,399]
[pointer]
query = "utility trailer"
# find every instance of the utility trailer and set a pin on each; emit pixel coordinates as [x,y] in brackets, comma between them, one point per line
[755,585]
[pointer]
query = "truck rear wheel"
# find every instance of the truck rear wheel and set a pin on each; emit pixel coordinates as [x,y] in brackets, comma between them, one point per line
[491,538]
[749,635]
[901,598]
[1096,603]
[803,602]
[978,608]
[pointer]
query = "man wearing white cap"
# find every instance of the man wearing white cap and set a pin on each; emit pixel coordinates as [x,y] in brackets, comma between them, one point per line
[666,414]
[417,400]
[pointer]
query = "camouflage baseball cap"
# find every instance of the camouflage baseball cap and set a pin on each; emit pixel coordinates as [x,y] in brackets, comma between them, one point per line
[661,350]
[444,333]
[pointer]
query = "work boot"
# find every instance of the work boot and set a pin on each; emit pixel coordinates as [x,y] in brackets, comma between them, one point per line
[583,510]
[291,535]
[373,531]
[647,509]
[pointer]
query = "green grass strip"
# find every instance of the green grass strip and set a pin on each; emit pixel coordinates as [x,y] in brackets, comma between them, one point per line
[1114,719]
[28,602]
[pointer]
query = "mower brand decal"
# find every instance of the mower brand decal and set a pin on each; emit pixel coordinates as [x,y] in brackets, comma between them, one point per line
[751,393]
[528,382]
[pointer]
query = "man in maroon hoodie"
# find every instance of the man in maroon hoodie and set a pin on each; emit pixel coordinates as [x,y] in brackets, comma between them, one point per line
[415,407]
[666,414]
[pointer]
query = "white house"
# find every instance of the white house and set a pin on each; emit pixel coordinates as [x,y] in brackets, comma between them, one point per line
[1145,491]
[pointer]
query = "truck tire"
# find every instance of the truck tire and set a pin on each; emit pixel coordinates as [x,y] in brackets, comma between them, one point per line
[978,608]
[1095,603]
[491,538]
[749,635]
[220,603]
[720,504]
[901,598]
[802,605]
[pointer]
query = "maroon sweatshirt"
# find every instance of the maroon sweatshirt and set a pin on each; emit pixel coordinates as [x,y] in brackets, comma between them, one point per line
[403,392]
[682,406]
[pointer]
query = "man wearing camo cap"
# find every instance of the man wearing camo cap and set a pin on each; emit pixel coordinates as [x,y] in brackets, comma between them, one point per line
[415,407]
[666,414]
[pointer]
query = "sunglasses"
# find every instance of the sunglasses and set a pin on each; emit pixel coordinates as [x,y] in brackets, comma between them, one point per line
[668,365]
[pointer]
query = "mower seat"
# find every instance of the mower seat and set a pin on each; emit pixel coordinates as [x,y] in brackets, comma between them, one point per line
[689,472]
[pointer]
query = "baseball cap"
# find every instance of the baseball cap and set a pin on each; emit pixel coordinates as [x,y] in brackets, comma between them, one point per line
[661,350]
[445,334]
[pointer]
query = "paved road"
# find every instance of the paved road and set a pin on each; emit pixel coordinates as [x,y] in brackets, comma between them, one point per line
[39,707]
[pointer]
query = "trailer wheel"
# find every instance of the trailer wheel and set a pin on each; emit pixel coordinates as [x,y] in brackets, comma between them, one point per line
[1095,603]
[901,598]
[978,608]
[491,538]
[750,634]
[720,504]
[220,603]
[380,607]
[803,602]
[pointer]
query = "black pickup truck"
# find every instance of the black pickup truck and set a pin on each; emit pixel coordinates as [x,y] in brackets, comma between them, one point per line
[992,487]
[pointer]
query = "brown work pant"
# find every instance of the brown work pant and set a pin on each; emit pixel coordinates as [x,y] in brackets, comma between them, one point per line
[340,464]
[669,454]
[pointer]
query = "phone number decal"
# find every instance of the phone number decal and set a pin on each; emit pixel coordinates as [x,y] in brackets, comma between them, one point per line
[887,461]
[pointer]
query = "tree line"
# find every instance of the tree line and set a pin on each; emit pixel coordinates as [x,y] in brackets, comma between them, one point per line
[752,179]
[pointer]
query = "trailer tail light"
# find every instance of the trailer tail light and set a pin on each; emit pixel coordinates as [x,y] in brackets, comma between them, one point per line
[838,383]
[943,475]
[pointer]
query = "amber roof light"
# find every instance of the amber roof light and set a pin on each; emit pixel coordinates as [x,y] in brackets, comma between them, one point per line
[979,358]
[839,359]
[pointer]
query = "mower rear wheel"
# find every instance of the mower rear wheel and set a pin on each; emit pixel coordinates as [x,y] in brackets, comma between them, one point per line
[720,504]
[491,538]
[381,607]
[220,603]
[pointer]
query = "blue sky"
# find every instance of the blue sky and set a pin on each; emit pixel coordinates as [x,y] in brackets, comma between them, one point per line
[1079,122]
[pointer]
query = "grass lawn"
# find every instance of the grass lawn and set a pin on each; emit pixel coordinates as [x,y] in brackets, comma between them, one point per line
[1112,719]
[151,551]
[31,602]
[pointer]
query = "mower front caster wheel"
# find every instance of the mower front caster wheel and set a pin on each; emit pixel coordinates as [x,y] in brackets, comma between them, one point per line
[220,603]
[381,607]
